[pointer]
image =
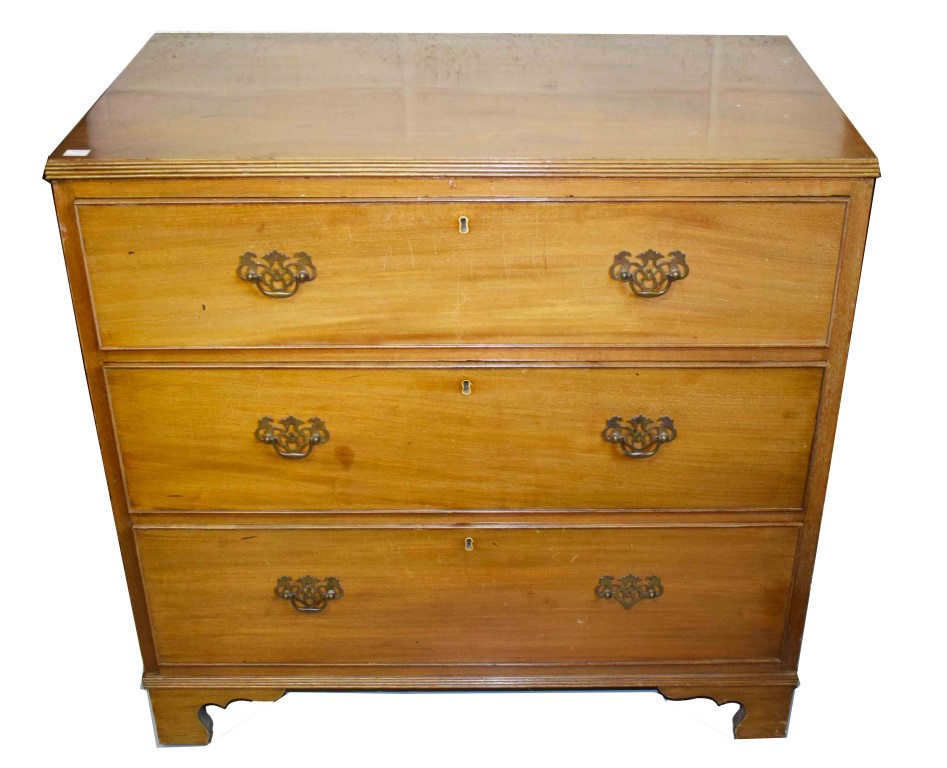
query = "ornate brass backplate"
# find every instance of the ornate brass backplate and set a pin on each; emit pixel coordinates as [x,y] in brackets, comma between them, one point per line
[629,589]
[649,274]
[309,594]
[639,437]
[277,275]
[292,438]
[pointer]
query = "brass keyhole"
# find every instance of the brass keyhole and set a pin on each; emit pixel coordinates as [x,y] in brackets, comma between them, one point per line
[462,221]
[468,544]
[465,387]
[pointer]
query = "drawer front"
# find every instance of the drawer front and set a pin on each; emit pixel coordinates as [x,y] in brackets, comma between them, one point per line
[753,273]
[420,596]
[192,438]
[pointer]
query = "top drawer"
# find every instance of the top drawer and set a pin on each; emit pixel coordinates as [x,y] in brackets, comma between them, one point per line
[753,273]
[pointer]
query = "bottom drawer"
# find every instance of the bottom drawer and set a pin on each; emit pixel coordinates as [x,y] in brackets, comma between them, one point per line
[473,595]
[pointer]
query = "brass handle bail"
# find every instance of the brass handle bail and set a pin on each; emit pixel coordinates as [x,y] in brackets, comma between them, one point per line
[309,594]
[649,274]
[277,275]
[292,438]
[639,437]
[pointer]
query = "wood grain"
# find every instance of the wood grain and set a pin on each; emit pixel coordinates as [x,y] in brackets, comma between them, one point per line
[363,150]
[408,439]
[293,188]
[589,355]
[98,393]
[490,676]
[166,275]
[843,317]
[475,105]
[481,518]
[181,717]
[764,709]
[418,596]
[765,698]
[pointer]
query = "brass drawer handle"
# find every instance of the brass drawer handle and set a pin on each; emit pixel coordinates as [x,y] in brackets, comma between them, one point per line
[309,594]
[649,274]
[277,275]
[629,589]
[639,437]
[292,438]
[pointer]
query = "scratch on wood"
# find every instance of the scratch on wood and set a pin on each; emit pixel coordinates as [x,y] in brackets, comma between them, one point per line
[532,254]
[461,294]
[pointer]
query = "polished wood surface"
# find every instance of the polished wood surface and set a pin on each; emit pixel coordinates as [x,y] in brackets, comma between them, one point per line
[409,439]
[95,376]
[524,273]
[730,144]
[420,597]
[843,316]
[179,701]
[439,677]
[764,709]
[465,105]
[181,715]
[295,189]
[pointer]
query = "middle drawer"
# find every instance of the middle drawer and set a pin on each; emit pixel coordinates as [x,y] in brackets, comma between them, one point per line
[472,438]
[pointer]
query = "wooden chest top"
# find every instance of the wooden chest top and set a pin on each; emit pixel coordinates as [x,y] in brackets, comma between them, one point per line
[483,105]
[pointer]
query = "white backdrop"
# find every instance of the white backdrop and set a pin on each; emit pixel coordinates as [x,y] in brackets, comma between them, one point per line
[871,671]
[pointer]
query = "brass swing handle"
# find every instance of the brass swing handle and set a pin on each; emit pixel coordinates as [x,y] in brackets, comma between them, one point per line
[649,274]
[639,437]
[629,589]
[276,274]
[292,438]
[309,594]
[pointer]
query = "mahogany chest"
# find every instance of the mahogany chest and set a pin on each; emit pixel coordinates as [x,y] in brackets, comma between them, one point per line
[465,361]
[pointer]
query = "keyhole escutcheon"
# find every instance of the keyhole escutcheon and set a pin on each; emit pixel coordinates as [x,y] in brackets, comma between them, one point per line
[463,225]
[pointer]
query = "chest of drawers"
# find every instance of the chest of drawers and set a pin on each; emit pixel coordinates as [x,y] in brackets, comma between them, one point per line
[465,362]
